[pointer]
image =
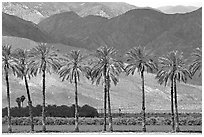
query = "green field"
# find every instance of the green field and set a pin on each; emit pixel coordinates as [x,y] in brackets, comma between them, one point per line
[98,128]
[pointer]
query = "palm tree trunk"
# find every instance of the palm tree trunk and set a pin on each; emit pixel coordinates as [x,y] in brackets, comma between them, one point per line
[172,105]
[8,100]
[19,104]
[30,104]
[109,107]
[105,96]
[43,106]
[143,103]
[76,106]
[176,107]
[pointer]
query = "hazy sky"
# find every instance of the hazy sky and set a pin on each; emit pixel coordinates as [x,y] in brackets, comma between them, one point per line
[159,3]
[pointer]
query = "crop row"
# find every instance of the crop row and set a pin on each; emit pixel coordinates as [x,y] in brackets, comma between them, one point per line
[99,121]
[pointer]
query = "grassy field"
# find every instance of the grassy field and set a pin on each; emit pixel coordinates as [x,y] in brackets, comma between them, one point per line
[98,128]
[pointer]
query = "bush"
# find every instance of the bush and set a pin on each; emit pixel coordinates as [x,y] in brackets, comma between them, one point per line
[99,121]
[151,121]
[53,111]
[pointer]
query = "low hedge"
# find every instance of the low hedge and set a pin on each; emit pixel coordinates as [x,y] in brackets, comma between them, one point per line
[99,121]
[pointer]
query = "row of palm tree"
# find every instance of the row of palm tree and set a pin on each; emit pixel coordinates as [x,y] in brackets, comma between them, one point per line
[105,69]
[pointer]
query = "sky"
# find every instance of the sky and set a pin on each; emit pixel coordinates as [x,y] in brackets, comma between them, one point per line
[139,3]
[159,3]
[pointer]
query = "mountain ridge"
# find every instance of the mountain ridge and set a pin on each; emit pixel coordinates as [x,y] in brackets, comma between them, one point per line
[15,26]
[135,27]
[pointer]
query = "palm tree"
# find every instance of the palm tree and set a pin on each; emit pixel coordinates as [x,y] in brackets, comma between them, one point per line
[72,66]
[8,65]
[141,59]
[108,69]
[18,101]
[196,64]
[43,60]
[173,68]
[23,72]
[22,99]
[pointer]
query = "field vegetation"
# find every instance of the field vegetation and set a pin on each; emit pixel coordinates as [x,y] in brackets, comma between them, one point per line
[184,120]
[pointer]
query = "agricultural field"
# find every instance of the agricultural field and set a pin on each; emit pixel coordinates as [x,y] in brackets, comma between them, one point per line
[155,123]
[98,128]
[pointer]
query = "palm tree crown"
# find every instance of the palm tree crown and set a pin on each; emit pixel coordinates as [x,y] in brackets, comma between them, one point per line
[106,65]
[73,64]
[172,66]
[8,61]
[196,65]
[141,59]
[22,61]
[42,57]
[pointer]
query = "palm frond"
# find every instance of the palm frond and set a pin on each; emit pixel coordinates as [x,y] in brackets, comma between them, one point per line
[105,62]
[140,59]
[196,64]
[172,66]
[42,57]
[8,61]
[72,64]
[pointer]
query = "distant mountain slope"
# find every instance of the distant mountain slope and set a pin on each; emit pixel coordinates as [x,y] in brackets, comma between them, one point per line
[36,11]
[22,11]
[155,30]
[144,27]
[106,9]
[177,9]
[184,34]
[24,43]
[71,29]
[15,26]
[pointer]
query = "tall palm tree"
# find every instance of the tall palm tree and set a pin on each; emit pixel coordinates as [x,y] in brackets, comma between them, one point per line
[196,64]
[108,69]
[8,65]
[72,66]
[173,68]
[23,72]
[43,60]
[141,60]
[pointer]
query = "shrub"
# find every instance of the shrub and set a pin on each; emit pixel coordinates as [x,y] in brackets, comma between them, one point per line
[151,121]
[53,111]
[100,121]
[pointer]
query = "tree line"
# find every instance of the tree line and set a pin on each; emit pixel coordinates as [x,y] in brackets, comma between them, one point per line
[52,111]
[104,68]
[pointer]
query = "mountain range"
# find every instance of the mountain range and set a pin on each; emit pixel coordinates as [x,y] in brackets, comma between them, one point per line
[135,27]
[36,11]
[83,26]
